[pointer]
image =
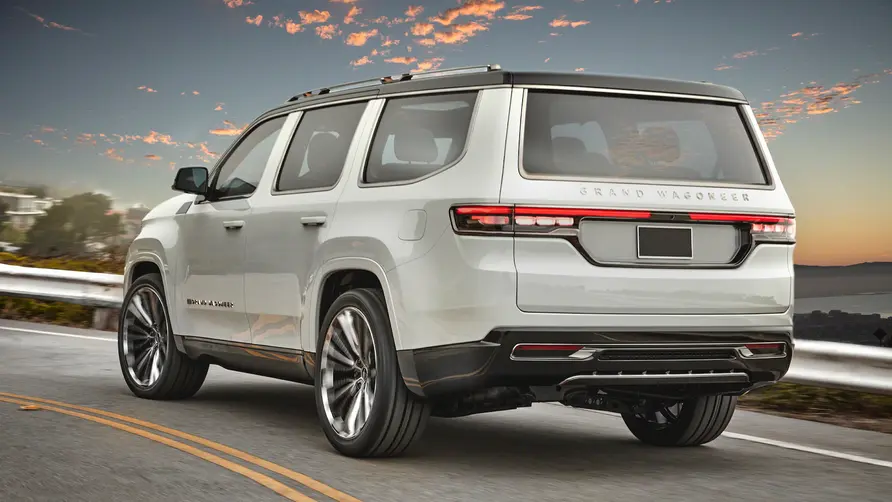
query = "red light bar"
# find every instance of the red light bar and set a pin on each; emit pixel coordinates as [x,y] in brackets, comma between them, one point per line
[483,210]
[765,346]
[736,218]
[582,212]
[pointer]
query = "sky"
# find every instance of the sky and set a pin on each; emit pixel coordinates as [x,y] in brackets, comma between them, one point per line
[112,96]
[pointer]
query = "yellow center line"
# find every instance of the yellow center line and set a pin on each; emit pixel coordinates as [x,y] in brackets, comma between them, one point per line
[259,462]
[264,480]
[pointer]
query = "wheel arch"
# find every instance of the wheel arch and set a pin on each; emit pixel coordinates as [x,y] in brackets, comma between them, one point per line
[142,262]
[335,275]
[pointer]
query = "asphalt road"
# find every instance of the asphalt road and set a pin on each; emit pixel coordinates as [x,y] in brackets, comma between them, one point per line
[549,452]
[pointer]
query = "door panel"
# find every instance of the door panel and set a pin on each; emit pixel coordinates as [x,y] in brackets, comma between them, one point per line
[289,226]
[213,234]
[214,284]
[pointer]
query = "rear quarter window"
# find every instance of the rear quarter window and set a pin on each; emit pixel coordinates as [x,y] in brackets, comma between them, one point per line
[594,136]
[419,135]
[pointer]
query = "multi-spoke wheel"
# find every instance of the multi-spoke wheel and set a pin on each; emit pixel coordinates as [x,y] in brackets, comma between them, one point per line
[691,422]
[152,366]
[364,407]
[348,371]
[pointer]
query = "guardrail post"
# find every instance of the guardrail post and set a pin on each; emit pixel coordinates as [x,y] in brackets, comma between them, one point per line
[105,319]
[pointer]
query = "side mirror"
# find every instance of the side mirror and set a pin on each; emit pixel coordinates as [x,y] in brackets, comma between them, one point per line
[191,180]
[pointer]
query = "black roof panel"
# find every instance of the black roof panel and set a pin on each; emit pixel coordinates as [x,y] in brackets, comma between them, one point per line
[503,77]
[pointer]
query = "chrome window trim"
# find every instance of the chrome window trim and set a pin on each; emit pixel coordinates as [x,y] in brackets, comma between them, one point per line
[215,171]
[769,186]
[471,126]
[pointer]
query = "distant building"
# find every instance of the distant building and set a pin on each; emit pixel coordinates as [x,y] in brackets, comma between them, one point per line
[24,209]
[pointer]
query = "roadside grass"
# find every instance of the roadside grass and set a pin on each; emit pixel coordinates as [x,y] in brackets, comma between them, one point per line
[839,407]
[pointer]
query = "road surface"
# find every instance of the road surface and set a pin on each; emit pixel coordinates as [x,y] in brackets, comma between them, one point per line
[251,438]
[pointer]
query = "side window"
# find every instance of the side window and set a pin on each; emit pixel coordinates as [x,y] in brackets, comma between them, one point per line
[319,148]
[242,170]
[419,135]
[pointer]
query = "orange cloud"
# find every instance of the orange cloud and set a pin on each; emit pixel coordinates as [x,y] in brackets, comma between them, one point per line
[460,33]
[157,137]
[745,54]
[256,20]
[519,13]
[428,65]
[362,61]
[547,60]
[401,60]
[317,16]
[579,69]
[144,88]
[422,29]
[387,42]
[344,1]
[114,155]
[47,129]
[219,107]
[474,8]
[723,67]
[152,157]
[351,15]
[172,165]
[359,38]
[327,31]
[427,42]
[229,129]
[562,22]
[232,4]
[811,100]
[414,11]
[39,142]
[797,34]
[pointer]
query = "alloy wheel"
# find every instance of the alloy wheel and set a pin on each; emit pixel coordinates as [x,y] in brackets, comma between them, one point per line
[144,336]
[349,372]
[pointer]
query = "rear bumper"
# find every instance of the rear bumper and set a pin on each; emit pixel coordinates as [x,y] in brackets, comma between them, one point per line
[645,362]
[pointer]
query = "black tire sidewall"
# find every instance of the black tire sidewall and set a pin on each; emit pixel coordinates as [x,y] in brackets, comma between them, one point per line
[388,375]
[153,281]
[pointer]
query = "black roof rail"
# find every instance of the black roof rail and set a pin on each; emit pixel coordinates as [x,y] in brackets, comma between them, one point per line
[374,82]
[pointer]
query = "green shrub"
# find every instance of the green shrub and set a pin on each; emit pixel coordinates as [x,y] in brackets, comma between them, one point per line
[802,399]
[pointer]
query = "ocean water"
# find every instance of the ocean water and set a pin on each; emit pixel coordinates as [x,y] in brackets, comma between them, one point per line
[868,303]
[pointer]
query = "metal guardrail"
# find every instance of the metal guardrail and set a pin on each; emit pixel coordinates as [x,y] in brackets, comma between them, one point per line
[80,288]
[821,364]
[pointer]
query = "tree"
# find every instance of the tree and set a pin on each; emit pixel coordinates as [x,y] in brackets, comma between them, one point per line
[4,207]
[70,225]
[38,191]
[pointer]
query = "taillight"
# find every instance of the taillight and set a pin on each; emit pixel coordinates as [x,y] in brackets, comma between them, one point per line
[511,220]
[500,220]
[763,228]
[488,220]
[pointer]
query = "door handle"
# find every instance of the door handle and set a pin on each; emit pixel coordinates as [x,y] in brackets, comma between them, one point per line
[233,225]
[312,221]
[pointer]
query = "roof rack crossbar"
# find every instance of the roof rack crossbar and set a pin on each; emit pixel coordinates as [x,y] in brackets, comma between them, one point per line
[371,82]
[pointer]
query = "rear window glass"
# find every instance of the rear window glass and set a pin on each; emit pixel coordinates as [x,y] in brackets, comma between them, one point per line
[587,136]
[418,136]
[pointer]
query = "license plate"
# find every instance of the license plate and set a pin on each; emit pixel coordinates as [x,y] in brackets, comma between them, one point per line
[665,243]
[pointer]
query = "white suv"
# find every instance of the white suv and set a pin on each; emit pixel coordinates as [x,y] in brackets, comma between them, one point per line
[472,240]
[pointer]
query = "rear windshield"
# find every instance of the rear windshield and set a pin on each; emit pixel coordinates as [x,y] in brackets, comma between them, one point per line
[588,136]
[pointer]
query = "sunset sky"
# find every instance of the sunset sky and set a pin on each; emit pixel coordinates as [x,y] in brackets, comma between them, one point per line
[112,95]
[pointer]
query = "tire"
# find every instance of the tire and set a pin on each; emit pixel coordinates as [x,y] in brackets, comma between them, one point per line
[179,376]
[700,421]
[396,418]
